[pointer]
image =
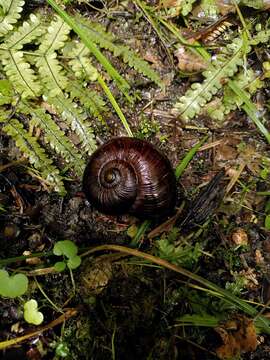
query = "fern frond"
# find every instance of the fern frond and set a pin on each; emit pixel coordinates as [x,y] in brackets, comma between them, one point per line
[199,94]
[133,60]
[81,64]
[262,36]
[76,118]
[106,41]
[54,136]
[20,73]
[51,74]
[50,69]
[6,93]
[10,14]
[186,6]
[29,146]
[25,34]
[231,101]
[90,99]
[55,37]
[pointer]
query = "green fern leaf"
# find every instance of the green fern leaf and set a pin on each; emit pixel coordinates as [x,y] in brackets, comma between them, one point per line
[10,14]
[6,93]
[25,34]
[199,94]
[50,69]
[261,37]
[106,40]
[20,73]
[29,146]
[55,37]
[51,74]
[55,137]
[209,8]
[133,60]
[76,118]
[186,6]
[81,65]
[90,99]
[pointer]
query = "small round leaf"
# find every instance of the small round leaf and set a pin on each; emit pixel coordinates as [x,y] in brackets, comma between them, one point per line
[60,266]
[31,313]
[74,262]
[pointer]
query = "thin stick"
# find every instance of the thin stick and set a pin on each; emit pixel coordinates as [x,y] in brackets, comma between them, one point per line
[68,314]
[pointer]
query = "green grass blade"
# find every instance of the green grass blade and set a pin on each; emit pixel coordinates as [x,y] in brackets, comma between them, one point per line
[250,109]
[115,105]
[188,157]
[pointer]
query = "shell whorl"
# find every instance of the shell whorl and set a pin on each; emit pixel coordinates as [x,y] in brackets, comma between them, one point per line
[128,175]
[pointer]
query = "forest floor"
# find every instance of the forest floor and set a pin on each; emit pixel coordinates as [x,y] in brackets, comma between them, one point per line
[121,306]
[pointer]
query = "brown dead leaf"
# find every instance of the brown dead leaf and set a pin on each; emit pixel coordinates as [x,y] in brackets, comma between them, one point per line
[188,61]
[238,336]
[239,237]
[226,152]
[96,277]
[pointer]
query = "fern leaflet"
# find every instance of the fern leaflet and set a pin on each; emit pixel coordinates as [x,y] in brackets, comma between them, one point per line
[106,40]
[10,14]
[20,73]
[52,74]
[35,153]
[89,98]
[81,65]
[231,101]
[76,118]
[54,136]
[55,37]
[50,69]
[25,34]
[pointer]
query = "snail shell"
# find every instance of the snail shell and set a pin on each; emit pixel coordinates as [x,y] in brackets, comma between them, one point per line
[128,175]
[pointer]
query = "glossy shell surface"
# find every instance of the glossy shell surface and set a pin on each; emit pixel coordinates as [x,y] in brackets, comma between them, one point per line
[128,175]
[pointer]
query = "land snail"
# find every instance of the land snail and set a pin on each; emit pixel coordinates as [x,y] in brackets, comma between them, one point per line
[128,175]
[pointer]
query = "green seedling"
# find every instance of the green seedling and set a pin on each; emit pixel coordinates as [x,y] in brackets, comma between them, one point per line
[31,313]
[62,350]
[267,217]
[267,222]
[69,250]
[12,286]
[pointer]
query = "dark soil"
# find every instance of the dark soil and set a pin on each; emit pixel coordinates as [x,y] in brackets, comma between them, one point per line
[130,310]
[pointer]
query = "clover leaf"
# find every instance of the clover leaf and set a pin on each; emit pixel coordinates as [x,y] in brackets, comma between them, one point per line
[60,266]
[74,262]
[31,313]
[12,286]
[68,249]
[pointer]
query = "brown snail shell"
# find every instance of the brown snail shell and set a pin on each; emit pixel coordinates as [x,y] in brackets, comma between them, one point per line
[128,175]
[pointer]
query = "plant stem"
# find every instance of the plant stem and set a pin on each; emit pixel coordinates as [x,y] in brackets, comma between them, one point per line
[261,321]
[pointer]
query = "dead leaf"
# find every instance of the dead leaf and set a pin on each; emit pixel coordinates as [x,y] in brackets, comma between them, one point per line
[238,336]
[239,237]
[188,61]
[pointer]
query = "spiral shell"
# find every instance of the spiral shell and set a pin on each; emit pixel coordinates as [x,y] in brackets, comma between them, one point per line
[128,175]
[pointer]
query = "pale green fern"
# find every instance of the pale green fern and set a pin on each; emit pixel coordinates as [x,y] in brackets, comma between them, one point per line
[81,64]
[36,154]
[77,119]
[50,68]
[54,136]
[224,67]
[10,12]
[199,94]
[222,106]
